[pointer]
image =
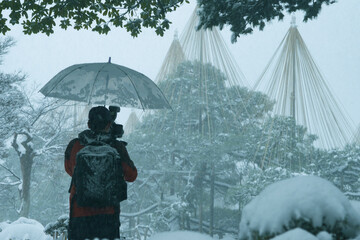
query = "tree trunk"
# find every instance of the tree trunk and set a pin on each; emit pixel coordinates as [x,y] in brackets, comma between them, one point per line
[172,180]
[26,167]
[212,199]
[26,162]
[131,226]
[201,209]
[200,188]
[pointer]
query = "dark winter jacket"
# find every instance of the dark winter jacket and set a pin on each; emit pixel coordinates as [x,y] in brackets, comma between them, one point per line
[86,137]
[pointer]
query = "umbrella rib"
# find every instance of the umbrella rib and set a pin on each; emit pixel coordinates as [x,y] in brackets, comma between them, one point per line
[63,78]
[92,88]
[163,95]
[137,91]
[133,86]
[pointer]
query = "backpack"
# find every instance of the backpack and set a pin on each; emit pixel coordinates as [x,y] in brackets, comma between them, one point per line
[98,176]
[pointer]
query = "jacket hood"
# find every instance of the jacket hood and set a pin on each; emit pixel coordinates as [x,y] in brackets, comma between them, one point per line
[87,137]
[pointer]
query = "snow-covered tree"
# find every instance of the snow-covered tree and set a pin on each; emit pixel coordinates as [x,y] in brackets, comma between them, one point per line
[244,15]
[33,135]
[36,137]
[11,102]
[189,165]
[342,167]
[51,132]
[211,155]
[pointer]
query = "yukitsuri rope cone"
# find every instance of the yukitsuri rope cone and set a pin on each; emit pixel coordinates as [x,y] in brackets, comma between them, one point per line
[295,82]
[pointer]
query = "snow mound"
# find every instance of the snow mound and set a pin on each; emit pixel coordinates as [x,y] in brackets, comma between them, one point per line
[4,225]
[60,226]
[180,235]
[24,228]
[308,201]
[227,237]
[356,205]
[296,234]
[324,236]
[23,220]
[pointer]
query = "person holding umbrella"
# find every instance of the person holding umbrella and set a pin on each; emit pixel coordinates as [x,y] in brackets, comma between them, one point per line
[95,218]
[102,83]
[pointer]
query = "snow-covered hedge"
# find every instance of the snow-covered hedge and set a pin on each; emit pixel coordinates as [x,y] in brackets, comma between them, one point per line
[307,202]
[180,235]
[296,234]
[23,228]
[58,227]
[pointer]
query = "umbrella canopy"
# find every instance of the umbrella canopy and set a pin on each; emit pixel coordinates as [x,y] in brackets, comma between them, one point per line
[106,84]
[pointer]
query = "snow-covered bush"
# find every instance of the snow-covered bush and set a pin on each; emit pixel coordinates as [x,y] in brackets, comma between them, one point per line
[296,234]
[307,202]
[356,205]
[3,225]
[24,228]
[59,227]
[180,235]
[301,234]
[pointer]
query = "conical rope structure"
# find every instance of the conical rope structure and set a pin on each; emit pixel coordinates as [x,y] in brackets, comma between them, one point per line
[208,46]
[357,136]
[294,81]
[131,123]
[207,51]
[173,58]
[81,111]
[207,93]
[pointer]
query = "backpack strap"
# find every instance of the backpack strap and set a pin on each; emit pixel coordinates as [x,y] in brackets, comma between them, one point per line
[71,184]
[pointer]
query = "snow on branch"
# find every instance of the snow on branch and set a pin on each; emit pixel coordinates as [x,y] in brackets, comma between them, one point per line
[11,183]
[144,211]
[21,142]
[352,194]
[49,141]
[11,172]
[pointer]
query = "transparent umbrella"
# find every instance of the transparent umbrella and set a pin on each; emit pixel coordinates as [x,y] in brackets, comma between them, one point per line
[106,84]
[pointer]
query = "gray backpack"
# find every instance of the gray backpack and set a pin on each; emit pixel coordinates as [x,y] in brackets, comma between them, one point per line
[98,176]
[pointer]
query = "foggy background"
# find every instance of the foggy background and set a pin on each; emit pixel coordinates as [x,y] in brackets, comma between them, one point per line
[220,168]
[332,38]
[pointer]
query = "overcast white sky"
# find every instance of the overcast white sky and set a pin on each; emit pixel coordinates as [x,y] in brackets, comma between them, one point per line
[333,40]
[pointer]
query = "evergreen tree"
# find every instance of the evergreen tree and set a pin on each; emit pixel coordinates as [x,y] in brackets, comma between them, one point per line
[100,16]
[42,16]
[342,167]
[245,15]
[185,153]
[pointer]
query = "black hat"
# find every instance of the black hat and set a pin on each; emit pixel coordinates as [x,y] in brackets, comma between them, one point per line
[99,117]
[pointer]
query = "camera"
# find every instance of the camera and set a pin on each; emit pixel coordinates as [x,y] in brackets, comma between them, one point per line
[116,130]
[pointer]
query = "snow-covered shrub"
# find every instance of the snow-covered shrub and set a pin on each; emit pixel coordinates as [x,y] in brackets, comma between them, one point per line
[324,236]
[3,225]
[356,205]
[307,202]
[24,228]
[59,227]
[296,234]
[180,235]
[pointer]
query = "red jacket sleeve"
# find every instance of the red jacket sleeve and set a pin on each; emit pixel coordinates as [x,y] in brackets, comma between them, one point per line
[130,174]
[130,171]
[70,155]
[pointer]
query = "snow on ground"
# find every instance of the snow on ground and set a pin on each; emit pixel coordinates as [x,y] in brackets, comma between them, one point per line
[23,228]
[302,197]
[356,205]
[3,225]
[180,235]
[324,236]
[296,234]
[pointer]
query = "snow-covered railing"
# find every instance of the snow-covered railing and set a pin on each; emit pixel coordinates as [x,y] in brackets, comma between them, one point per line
[58,229]
[60,235]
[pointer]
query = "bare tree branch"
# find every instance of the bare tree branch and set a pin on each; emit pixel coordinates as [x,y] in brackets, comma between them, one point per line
[11,172]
